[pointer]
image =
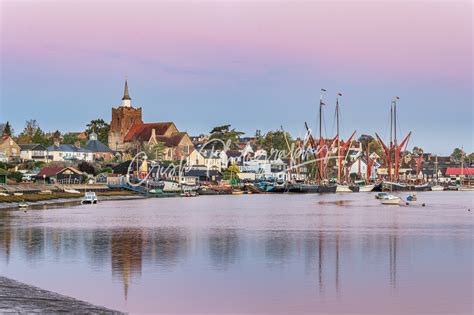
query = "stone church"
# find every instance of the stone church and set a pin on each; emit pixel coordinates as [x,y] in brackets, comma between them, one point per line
[128,132]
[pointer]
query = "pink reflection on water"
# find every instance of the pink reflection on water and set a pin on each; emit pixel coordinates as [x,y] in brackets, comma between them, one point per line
[250,254]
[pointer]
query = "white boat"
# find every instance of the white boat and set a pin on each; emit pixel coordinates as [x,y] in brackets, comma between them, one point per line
[437,188]
[343,188]
[366,188]
[23,205]
[171,186]
[390,200]
[71,191]
[89,197]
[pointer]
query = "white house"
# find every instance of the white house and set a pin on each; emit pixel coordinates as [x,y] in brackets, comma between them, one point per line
[35,152]
[210,159]
[264,167]
[360,165]
[69,152]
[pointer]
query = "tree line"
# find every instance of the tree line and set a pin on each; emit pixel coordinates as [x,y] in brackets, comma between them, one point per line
[33,133]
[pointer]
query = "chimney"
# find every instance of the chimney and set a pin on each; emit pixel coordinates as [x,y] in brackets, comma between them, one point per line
[153,133]
[77,144]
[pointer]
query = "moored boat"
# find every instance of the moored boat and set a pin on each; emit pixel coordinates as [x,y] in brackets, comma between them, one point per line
[343,188]
[437,188]
[23,205]
[90,197]
[327,189]
[393,186]
[366,188]
[390,200]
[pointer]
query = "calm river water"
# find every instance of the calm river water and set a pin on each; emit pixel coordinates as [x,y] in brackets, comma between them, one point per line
[282,254]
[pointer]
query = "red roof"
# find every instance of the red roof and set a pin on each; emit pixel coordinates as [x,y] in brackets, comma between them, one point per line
[142,132]
[173,140]
[52,171]
[49,171]
[457,171]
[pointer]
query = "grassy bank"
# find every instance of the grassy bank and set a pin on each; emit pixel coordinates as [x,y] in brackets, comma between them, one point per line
[52,196]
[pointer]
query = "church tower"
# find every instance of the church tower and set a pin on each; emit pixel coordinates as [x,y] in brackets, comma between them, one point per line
[123,117]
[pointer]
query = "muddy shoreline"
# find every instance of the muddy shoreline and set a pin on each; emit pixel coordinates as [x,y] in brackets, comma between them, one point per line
[20,298]
[63,202]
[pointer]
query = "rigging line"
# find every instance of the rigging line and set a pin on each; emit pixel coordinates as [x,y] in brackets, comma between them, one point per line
[399,128]
[386,127]
[334,122]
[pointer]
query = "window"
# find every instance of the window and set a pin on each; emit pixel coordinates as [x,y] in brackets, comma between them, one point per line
[131,120]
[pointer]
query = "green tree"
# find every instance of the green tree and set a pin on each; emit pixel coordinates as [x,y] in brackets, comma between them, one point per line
[231,172]
[71,138]
[156,151]
[7,130]
[365,140]
[276,140]
[101,128]
[225,134]
[457,154]
[40,138]
[17,176]
[56,135]
[26,136]
[470,157]
[376,147]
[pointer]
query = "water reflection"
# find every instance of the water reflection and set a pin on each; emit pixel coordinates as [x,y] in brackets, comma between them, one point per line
[223,247]
[126,250]
[311,261]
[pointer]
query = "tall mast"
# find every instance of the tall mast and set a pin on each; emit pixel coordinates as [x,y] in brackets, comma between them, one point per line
[395,121]
[389,158]
[395,144]
[321,103]
[321,165]
[338,137]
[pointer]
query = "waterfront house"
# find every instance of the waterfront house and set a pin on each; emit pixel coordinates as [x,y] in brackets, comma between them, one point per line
[61,175]
[215,160]
[34,152]
[9,148]
[196,176]
[99,150]
[264,167]
[69,152]
[464,175]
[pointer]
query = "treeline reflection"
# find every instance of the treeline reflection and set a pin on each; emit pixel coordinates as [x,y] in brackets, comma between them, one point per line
[126,251]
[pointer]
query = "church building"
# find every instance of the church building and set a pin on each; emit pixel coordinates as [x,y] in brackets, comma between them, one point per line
[128,132]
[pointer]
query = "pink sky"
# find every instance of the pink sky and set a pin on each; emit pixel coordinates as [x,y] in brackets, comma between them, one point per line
[264,56]
[423,38]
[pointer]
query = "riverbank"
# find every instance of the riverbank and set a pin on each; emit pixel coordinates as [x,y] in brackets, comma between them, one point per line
[17,297]
[59,199]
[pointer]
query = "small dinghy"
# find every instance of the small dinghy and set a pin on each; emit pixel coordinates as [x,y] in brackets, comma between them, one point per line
[390,200]
[23,205]
[381,195]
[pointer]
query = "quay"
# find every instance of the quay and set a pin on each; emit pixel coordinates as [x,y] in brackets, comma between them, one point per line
[20,298]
